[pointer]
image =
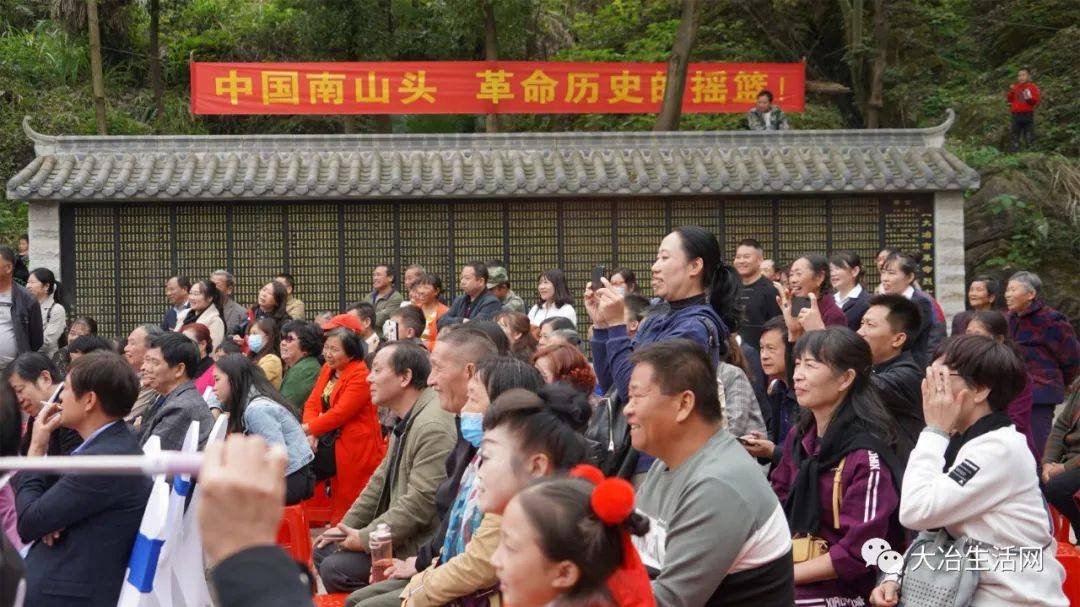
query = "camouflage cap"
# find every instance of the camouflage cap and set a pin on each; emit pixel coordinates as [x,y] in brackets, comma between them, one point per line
[497,276]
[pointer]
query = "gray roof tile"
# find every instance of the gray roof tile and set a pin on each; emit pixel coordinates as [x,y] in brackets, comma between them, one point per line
[91,168]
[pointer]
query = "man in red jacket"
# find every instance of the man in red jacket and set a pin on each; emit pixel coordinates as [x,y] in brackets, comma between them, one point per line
[1023,96]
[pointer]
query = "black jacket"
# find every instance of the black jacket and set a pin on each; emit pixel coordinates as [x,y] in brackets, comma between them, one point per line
[62,442]
[780,400]
[456,463]
[26,319]
[485,307]
[263,576]
[899,381]
[99,516]
[758,303]
[931,332]
[854,308]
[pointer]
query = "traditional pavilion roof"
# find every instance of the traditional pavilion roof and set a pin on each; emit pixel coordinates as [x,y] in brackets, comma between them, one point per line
[322,167]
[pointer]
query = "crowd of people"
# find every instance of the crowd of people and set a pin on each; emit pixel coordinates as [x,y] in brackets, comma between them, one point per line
[738,436]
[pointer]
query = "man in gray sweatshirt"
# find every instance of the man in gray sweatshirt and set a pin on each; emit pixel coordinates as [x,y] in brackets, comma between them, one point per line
[718,534]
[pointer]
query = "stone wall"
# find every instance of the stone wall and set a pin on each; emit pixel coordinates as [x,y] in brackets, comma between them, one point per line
[44,232]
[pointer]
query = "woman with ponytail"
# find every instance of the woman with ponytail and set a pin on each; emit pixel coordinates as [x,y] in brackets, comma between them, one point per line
[525,435]
[566,541]
[43,285]
[839,476]
[700,291]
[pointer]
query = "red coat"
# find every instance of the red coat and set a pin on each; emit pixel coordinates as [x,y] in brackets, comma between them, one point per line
[1020,103]
[360,446]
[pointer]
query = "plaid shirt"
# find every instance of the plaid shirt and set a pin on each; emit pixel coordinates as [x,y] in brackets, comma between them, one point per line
[1050,350]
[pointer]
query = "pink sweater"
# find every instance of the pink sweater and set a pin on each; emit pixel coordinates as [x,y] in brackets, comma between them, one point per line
[7,516]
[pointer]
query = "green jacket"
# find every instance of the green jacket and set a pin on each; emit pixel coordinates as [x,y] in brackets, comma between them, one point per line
[384,307]
[1063,445]
[401,492]
[514,303]
[298,381]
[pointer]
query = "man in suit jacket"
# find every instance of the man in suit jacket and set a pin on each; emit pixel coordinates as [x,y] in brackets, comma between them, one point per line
[476,302]
[176,290]
[83,526]
[168,368]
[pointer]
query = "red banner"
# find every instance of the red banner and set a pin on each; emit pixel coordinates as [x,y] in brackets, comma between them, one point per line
[484,87]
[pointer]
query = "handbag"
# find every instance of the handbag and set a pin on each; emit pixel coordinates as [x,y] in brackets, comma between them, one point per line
[807,547]
[481,598]
[937,571]
[325,464]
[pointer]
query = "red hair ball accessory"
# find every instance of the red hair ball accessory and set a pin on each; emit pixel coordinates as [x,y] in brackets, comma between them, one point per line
[613,501]
[587,472]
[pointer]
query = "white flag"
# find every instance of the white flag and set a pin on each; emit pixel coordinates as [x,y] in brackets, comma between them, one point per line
[172,551]
[139,587]
[189,570]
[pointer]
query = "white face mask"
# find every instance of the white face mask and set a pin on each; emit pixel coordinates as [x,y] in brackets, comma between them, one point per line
[620,290]
[256,342]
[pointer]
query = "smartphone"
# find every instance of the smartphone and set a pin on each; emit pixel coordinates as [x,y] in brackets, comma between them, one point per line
[598,272]
[743,441]
[389,330]
[333,535]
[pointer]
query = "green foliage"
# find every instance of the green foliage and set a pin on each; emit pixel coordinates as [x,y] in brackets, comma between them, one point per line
[42,57]
[1031,231]
[12,222]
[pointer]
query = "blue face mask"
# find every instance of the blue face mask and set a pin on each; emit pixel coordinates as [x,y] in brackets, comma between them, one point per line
[472,427]
[255,342]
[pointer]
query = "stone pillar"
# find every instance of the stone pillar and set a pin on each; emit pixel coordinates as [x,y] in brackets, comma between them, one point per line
[950,288]
[44,219]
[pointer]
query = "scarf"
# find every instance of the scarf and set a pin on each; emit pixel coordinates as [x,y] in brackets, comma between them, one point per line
[465,514]
[987,423]
[846,433]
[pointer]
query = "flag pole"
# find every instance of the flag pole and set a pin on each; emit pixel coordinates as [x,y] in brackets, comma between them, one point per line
[164,462]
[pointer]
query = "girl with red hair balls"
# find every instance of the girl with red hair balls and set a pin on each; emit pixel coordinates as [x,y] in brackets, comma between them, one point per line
[567,541]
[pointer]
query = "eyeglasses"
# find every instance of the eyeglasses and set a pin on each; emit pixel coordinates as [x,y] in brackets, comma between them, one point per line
[288,338]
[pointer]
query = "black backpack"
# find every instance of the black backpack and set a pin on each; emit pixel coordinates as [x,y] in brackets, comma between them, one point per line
[608,434]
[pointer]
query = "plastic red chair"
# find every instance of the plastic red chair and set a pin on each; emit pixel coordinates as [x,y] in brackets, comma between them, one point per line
[1061,526]
[294,535]
[330,600]
[317,508]
[1068,556]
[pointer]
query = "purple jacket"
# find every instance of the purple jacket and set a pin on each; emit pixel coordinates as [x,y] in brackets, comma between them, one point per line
[1050,349]
[830,312]
[867,511]
[1019,411]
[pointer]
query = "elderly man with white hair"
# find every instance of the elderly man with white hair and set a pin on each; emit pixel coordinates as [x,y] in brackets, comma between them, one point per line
[234,314]
[1049,346]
